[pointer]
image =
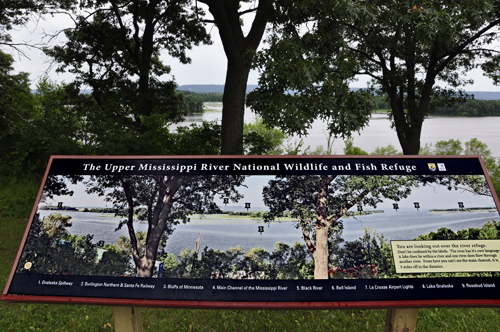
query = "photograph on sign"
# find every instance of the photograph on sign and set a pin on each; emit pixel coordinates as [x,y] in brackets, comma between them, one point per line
[249,229]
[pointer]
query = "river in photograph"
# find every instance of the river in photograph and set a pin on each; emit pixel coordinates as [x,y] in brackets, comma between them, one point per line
[224,232]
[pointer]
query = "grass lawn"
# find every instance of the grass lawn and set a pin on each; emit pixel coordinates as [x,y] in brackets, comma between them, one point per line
[45,317]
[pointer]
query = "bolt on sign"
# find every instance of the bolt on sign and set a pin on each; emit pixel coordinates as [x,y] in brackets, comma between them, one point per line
[177,231]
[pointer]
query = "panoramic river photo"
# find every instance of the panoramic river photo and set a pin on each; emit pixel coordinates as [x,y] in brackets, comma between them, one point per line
[437,207]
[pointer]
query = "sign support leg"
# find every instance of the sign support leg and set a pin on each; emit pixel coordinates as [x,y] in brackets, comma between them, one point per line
[401,320]
[127,319]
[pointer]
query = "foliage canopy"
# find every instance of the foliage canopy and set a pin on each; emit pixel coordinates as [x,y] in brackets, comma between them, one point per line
[406,47]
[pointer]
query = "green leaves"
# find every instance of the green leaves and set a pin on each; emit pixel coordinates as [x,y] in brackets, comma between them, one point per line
[305,76]
[404,46]
[260,139]
[116,52]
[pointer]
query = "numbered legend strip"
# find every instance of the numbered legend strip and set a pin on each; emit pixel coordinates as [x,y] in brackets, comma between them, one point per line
[446,256]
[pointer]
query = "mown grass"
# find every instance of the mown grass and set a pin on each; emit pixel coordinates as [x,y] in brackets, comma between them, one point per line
[51,317]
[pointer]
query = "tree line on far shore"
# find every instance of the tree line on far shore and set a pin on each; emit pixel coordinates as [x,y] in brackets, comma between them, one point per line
[193,101]
[471,107]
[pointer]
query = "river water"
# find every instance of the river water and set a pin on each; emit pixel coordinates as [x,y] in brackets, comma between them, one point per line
[223,232]
[379,133]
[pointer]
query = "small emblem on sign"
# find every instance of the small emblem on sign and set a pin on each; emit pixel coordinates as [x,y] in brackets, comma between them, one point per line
[261,229]
[432,166]
[441,167]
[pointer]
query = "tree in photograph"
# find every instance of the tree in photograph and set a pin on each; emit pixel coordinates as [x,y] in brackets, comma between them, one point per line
[123,244]
[55,225]
[368,257]
[169,200]
[290,262]
[51,249]
[318,202]
[239,49]
[209,263]
[406,47]
[489,231]
[114,50]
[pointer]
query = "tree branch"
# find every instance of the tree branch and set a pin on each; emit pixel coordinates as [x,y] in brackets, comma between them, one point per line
[247,11]
[450,56]
[307,238]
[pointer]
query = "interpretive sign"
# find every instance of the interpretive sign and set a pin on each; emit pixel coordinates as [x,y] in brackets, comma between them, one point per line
[446,256]
[267,231]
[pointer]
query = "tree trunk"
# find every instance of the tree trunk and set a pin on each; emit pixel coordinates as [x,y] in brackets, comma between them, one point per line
[238,49]
[322,225]
[233,108]
[321,253]
[410,141]
[409,117]
[144,268]
[408,127]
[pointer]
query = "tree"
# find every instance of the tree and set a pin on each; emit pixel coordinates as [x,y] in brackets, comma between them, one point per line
[15,97]
[114,50]
[261,139]
[168,199]
[404,46]
[300,83]
[239,49]
[471,147]
[350,149]
[40,124]
[389,150]
[193,102]
[19,12]
[318,202]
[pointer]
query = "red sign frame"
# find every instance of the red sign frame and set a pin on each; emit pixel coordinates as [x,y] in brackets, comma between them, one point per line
[74,165]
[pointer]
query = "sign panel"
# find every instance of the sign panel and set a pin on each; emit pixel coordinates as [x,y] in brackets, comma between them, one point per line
[262,232]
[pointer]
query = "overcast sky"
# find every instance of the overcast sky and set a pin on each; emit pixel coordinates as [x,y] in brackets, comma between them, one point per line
[208,62]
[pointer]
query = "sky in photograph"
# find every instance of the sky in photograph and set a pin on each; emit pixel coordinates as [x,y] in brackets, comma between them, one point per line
[429,197]
[208,62]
